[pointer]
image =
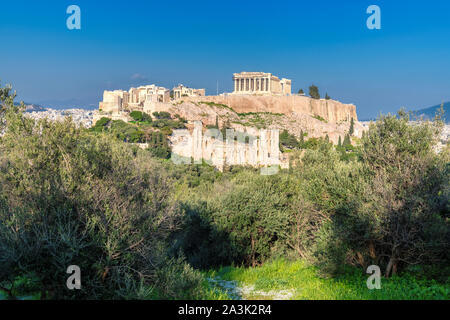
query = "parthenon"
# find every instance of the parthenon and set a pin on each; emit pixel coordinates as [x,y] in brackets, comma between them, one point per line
[260,83]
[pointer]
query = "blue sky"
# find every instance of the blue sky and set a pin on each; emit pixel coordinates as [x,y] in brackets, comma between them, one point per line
[200,43]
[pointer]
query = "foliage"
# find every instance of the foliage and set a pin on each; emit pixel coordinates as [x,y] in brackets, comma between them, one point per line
[101,124]
[352,127]
[314,92]
[68,196]
[158,145]
[320,118]
[288,140]
[140,116]
[246,223]
[162,115]
[302,280]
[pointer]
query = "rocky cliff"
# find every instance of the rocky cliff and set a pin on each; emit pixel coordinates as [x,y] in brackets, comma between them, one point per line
[297,114]
[330,110]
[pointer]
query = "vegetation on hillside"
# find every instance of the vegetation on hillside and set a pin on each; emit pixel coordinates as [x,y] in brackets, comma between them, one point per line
[141,227]
[144,129]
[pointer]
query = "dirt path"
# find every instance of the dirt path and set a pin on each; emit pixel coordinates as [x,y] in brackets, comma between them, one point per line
[248,292]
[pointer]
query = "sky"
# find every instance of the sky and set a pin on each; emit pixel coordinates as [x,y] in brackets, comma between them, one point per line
[202,43]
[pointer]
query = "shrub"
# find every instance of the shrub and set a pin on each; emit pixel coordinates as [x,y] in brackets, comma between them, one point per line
[89,200]
[243,225]
[140,116]
[162,115]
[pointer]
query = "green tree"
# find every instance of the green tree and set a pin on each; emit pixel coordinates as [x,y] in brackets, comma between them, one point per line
[288,140]
[327,97]
[352,127]
[163,115]
[314,92]
[7,104]
[101,124]
[140,116]
[301,91]
[347,141]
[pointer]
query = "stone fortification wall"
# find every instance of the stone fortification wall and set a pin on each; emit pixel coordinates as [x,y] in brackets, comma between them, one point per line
[261,150]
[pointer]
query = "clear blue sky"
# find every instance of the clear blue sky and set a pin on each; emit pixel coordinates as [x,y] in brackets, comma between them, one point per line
[197,43]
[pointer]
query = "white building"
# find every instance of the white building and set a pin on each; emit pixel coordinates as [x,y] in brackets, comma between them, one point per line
[182,91]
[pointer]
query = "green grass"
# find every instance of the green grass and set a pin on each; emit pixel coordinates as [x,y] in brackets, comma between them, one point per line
[25,288]
[218,105]
[305,284]
[320,118]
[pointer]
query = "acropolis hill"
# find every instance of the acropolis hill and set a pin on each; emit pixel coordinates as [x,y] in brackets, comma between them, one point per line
[259,100]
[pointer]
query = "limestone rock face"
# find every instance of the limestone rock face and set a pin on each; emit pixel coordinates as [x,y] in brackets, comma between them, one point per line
[330,110]
[296,114]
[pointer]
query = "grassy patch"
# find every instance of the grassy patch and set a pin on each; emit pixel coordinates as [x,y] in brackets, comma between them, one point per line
[259,113]
[307,285]
[218,105]
[320,118]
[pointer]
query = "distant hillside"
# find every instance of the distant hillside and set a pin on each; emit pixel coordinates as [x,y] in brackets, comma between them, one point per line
[30,107]
[430,112]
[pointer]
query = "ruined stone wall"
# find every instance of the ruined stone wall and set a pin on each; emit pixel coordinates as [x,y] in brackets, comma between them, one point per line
[199,144]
